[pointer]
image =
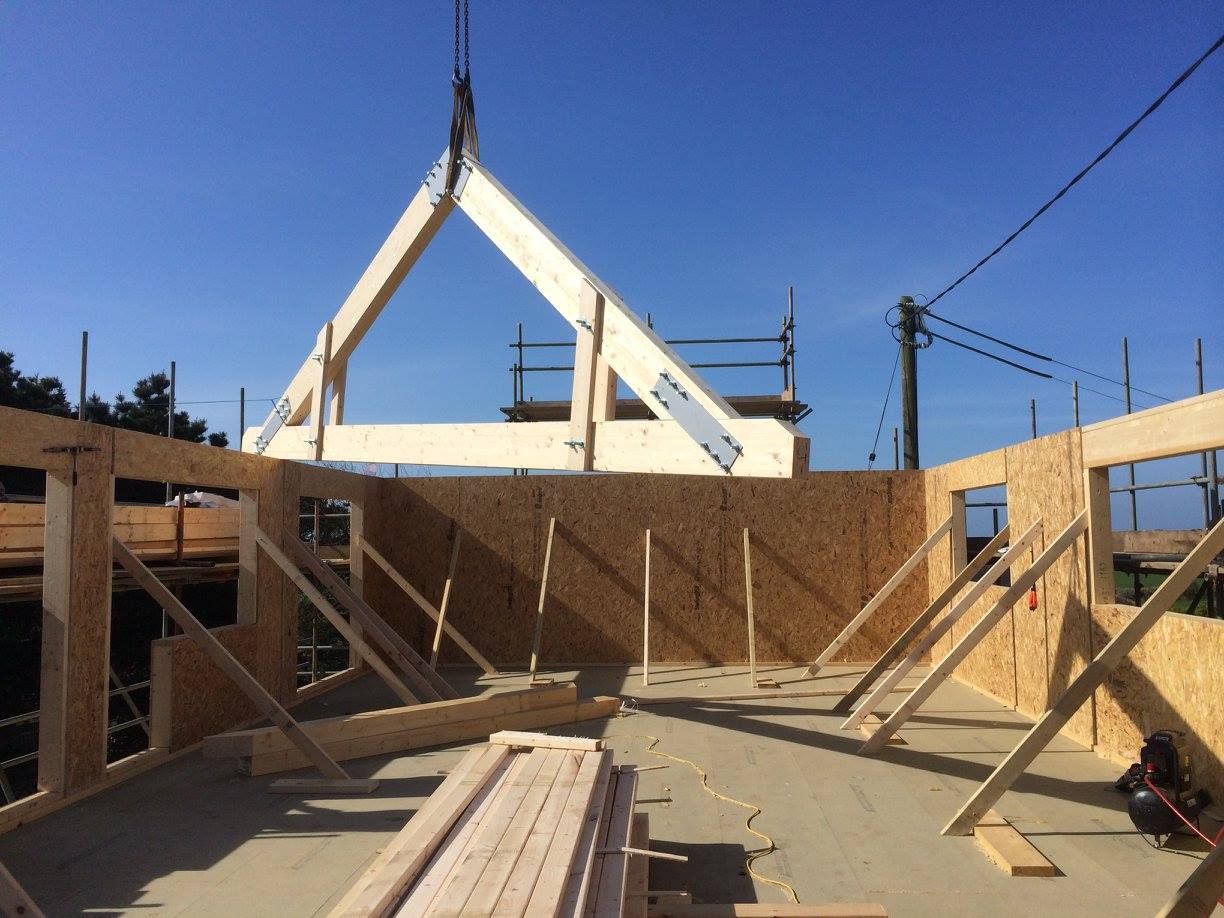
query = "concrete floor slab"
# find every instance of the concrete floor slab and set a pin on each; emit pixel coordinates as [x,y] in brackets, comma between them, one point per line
[195,838]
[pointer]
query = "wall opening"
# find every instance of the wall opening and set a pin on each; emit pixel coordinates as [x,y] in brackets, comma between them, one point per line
[325,526]
[985,517]
[1159,510]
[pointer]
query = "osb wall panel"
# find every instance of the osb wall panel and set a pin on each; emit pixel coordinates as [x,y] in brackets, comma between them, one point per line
[991,666]
[190,696]
[1171,680]
[1053,642]
[821,546]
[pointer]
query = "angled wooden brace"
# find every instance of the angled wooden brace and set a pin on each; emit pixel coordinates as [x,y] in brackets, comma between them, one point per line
[363,545]
[417,227]
[1079,691]
[975,592]
[648,366]
[14,900]
[967,573]
[878,599]
[332,614]
[268,706]
[423,676]
[1202,891]
[983,626]
[436,647]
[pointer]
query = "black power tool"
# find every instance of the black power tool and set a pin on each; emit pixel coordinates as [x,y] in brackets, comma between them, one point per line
[1160,787]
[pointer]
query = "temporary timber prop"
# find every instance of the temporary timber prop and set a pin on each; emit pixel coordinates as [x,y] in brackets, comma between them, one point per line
[538,636]
[695,431]
[878,599]
[396,674]
[286,727]
[436,647]
[928,615]
[943,626]
[1201,892]
[363,545]
[1085,683]
[263,750]
[385,637]
[961,649]
[646,617]
[15,901]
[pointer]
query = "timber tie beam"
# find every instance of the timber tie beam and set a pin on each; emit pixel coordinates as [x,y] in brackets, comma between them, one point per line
[695,430]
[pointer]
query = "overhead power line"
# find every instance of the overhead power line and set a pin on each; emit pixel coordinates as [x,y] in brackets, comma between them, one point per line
[1037,356]
[1185,75]
[1031,371]
[975,350]
[884,410]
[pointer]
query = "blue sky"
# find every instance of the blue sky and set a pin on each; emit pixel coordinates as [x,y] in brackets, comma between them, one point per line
[206,181]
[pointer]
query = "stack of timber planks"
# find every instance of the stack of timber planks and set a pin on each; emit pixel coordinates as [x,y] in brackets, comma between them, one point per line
[267,750]
[514,830]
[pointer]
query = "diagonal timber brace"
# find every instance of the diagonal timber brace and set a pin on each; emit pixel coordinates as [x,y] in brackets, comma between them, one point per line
[697,431]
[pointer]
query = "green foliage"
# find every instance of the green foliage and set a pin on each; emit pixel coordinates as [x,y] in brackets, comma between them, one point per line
[145,411]
[44,394]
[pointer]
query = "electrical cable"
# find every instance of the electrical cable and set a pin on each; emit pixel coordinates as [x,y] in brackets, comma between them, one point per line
[1185,75]
[1034,354]
[752,856]
[1030,370]
[1178,813]
[1010,363]
[887,395]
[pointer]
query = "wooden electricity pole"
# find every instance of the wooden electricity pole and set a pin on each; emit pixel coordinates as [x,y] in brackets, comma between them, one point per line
[909,380]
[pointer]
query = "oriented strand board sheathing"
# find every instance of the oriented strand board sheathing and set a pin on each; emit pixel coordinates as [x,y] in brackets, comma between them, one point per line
[198,697]
[1170,681]
[1053,641]
[822,545]
[991,666]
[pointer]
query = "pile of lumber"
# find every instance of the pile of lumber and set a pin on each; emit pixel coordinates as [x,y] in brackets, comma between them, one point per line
[266,750]
[528,825]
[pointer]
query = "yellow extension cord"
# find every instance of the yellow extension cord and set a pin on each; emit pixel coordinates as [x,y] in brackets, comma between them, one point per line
[753,856]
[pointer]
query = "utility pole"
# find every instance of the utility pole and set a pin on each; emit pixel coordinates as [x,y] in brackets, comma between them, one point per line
[909,379]
[241,415]
[170,428]
[1033,416]
[896,451]
[85,367]
[1075,400]
[1211,491]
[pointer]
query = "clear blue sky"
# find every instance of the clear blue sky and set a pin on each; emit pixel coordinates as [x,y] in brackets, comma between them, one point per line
[205,182]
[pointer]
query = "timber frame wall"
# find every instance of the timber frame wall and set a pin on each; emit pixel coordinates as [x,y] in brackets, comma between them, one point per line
[189,696]
[822,545]
[1172,679]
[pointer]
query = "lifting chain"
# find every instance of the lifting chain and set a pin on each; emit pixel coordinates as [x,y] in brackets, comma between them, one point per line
[463,137]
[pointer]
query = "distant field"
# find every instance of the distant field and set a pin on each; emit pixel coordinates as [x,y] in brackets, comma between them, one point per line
[1124,586]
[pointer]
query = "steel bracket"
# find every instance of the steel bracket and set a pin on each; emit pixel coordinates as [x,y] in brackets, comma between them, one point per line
[711,436]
